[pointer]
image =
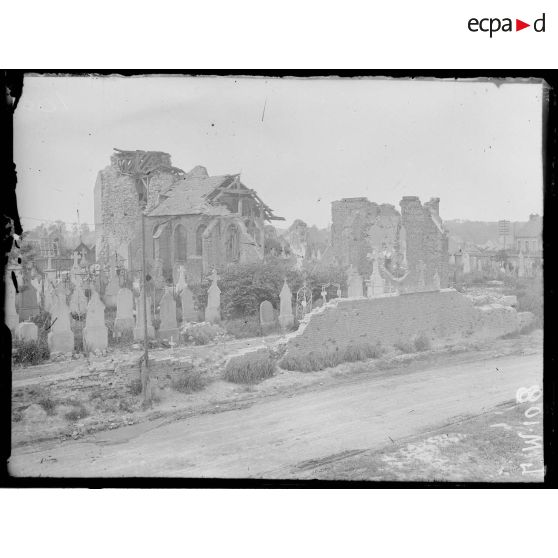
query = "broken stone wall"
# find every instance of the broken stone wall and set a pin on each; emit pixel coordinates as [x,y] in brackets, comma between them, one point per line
[444,316]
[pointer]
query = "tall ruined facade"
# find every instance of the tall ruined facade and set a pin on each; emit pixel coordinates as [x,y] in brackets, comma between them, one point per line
[405,242]
[191,219]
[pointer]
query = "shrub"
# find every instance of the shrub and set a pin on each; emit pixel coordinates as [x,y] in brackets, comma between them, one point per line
[250,368]
[311,362]
[49,405]
[422,342]
[203,333]
[189,382]
[30,352]
[405,346]
[242,328]
[77,413]
[135,387]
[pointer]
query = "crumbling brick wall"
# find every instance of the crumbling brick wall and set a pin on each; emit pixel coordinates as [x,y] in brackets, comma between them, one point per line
[443,316]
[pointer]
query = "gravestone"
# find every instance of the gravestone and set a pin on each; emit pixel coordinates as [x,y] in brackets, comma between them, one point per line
[139,329]
[521,265]
[267,315]
[61,338]
[213,309]
[466,262]
[27,331]
[436,281]
[11,315]
[95,332]
[189,312]
[376,283]
[38,284]
[111,292]
[28,306]
[354,283]
[48,296]
[286,317]
[168,328]
[181,281]
[78,300]
[124,321]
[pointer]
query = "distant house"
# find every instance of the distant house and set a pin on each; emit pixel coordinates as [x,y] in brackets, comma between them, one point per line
[86,253]
[528,236]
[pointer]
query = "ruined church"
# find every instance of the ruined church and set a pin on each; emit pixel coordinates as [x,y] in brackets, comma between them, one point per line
[191,218]
[412,243]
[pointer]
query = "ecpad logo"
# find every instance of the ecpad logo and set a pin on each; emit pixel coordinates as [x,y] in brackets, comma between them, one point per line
[493,25]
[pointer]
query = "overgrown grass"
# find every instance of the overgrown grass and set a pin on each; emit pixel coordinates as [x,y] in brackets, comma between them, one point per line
[203,333]
[30,352]
[48,404]
[189,381]
[311,362]
[77,413]
[250,368]
[405,346]
[422,342]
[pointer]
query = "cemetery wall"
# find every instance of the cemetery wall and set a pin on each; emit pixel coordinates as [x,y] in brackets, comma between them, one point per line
[444,316]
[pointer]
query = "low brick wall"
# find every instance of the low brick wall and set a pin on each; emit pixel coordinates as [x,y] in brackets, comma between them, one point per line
[444,316]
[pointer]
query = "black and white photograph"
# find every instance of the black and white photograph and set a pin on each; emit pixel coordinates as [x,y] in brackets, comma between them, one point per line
[277,278]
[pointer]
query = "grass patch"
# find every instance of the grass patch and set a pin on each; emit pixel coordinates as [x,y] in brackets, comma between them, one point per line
[422,342]
[30,352]
[405,346]
[189,382]
[49,405]
[250,368]
[135,387]
[77,413]
[312,362]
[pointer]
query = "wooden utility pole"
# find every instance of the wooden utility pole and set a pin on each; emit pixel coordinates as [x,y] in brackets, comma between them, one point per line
[146,385]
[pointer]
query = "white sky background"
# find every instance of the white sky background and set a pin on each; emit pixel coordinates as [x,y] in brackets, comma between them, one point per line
[475,145]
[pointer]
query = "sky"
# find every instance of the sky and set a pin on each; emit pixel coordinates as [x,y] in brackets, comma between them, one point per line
[300,143]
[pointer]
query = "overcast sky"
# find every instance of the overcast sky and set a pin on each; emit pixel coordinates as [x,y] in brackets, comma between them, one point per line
[299,143]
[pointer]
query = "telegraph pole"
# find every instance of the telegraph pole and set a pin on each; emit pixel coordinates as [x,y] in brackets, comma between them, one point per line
[146,387]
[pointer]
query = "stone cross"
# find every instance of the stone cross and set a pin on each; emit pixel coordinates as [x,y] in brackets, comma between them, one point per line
[168,327]
[78,300]
[213,309]
[286,317]
[95,332]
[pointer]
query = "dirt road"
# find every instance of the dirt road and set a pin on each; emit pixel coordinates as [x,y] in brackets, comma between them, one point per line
[278,437]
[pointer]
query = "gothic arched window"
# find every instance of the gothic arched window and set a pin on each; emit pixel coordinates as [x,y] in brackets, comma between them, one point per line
[199,240]
[180,250]
[232,244]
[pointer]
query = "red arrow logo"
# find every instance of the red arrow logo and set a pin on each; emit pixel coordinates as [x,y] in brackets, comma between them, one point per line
[519,25]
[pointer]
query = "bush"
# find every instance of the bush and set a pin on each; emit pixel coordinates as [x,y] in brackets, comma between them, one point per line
[203,333]
[250,368]
[49,405]
[189,382]
[311,362]
[77,413]
[405,346]
[422,342]
[135,387]
[30,352]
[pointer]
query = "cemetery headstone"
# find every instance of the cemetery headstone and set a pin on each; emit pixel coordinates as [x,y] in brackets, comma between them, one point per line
[61,338]
[28,306]
[213,309]
[267,316]
[181,282]
[376,283]
[168,328]
[436,281]
[354,283]
[111,291]
[124,321]
[78,300]
[95,333]
[189,312]
[286,317]
[27,331]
